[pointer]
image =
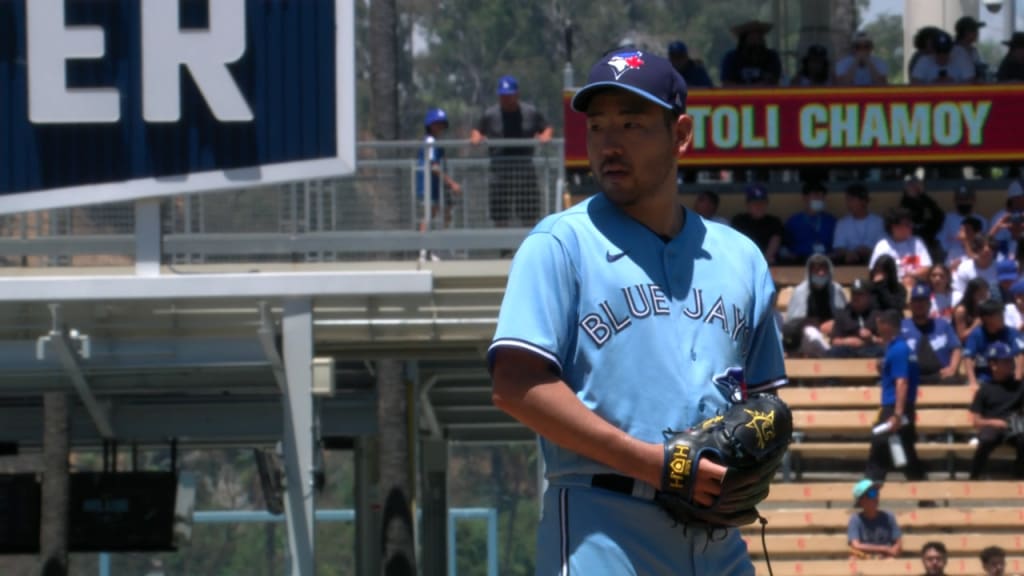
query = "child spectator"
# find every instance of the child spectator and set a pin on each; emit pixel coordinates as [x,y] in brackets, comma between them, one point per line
[933,339]
[859,231]
[942,292]
[766,230]
[993,561]
[811,231]
[435,123]
[949,235]
[814,304]
[992,329]
[967,314]
[815,68]
[994,405]
[872,532]
[1011,69]
[751,63]
[910,253]
[861,68]
[887,293]
[691,70]
[964,58]
[936,68]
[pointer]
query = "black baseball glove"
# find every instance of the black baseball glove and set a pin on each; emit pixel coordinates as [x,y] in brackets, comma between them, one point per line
[750,440]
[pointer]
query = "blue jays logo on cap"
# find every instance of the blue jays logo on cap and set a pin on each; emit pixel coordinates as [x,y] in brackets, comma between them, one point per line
[623,63]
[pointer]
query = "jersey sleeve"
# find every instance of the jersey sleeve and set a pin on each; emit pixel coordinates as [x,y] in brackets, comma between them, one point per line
[972,344]
[895,528]
[766,368]
[899,361]
[538,312]
[853,528]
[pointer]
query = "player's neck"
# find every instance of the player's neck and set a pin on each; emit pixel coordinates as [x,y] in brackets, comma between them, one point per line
[662,214]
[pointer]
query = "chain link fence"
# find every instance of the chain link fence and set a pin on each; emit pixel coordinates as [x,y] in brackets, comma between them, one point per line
[379,212]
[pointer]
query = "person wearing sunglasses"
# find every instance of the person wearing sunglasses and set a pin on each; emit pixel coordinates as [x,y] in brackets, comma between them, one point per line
[872,532]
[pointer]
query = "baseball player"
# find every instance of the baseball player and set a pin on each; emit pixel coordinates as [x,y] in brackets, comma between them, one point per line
[626,316]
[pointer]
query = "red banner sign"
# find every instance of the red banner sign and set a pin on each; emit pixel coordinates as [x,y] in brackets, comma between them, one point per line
[796,126]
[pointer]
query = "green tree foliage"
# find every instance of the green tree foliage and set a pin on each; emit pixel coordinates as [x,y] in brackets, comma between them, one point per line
[887,34]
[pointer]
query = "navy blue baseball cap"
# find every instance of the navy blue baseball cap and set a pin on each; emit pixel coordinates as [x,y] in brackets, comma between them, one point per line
[943,43]
[998,351]
[508,85]
[678,47]
[921,292]
[647,75]
[756,192]
[1006,271]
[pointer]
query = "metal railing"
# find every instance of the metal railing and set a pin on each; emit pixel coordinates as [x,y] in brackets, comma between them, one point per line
[389,208]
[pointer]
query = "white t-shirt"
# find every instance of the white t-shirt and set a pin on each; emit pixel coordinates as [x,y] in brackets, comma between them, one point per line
[851,233]
[862,76]
[967,271]
[911,255]
[926,69]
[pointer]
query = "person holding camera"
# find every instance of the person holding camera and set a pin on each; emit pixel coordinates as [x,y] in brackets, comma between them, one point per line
[997,411]
[937,68]
[1008,224]
[861,68]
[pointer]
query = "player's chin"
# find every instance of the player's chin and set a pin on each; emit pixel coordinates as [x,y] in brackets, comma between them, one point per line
[618,191]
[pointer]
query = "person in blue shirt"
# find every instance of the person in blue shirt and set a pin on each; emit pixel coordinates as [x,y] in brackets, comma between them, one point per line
[429,160]
[811,231]
[691,70]
[872,532]
[992,329]
[933,339]
[900,378]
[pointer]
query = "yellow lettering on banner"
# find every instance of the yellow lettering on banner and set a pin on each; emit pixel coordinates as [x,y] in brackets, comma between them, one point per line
[725,131]
[911,130]
[750,140]
[875,129]
[812,133]
[975,116]
[700,125]
[771,123]
[843,125]
[946,124]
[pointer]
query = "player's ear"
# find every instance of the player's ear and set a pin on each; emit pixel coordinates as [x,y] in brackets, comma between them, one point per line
[683,133]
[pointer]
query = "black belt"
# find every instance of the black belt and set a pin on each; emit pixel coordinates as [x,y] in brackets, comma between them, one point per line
[613,482]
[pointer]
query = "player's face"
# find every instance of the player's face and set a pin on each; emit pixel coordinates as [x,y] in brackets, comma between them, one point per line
[632,150]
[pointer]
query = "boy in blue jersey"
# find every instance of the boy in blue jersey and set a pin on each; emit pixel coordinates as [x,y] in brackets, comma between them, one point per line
[624,316]
[429,160]
[900,377]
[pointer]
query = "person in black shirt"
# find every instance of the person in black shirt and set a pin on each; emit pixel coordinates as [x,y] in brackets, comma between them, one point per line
[886,290]
[1011,69]
[513,179]
[995,403]
[691,70]
[925,213]
[757,224]
[751,63]
[854,331]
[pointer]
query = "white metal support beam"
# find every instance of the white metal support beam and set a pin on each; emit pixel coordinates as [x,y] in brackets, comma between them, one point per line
[268,341]
[66,354]
[147,237]
[299,433]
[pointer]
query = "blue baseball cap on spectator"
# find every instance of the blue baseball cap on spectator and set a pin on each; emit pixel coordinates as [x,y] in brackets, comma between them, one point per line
[999,351]
[678,47]
[756,192]
[433,116]
[1006,270]
[921,292]
[508,85]
[647,75]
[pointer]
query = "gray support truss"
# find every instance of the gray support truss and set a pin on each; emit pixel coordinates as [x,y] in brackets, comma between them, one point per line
[434,540]
[147,237]
[367,519]
[268,341]
[299,440]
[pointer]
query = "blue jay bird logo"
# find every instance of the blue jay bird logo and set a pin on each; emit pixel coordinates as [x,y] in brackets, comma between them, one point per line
[731,384]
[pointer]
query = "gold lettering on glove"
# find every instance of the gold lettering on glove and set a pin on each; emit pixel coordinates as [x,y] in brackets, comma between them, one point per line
[711,421]
[763,424]
[679,466]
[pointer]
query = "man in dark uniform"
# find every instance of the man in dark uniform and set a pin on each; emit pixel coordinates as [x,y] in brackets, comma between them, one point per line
[995,406]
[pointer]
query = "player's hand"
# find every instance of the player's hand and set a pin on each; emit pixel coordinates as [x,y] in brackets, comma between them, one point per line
[710,476]
[894,423]
[947,372]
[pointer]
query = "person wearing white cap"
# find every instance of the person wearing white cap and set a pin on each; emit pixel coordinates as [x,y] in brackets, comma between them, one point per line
[872,532]
[1008,224]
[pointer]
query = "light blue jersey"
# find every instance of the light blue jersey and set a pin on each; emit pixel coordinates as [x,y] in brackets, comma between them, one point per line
[645,332]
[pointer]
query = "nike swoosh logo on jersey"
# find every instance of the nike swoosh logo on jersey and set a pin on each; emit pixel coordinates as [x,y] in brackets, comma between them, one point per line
[613,257]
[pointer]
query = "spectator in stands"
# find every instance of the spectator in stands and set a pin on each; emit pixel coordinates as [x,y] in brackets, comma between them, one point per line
[993,561]
[992,329]
[994,406]
[691,70]
[981,265]
[949,235]
[751,63]
[936,68]
[924,44]
[970,228]
[513,180]
[900,378]
[942,292]
[967,314]
[812,230]
[1008,224]
[854,330]
[964,58]
[887,293]
[706,204]
[933,558]
[766,230]
[1006,276]
[872,532]
[859,231]
[933,339]
[909,251]
[435,123]
[1011,69]
[925,214]
[1013,310]
[815,68]
[814,304]
[861,68]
